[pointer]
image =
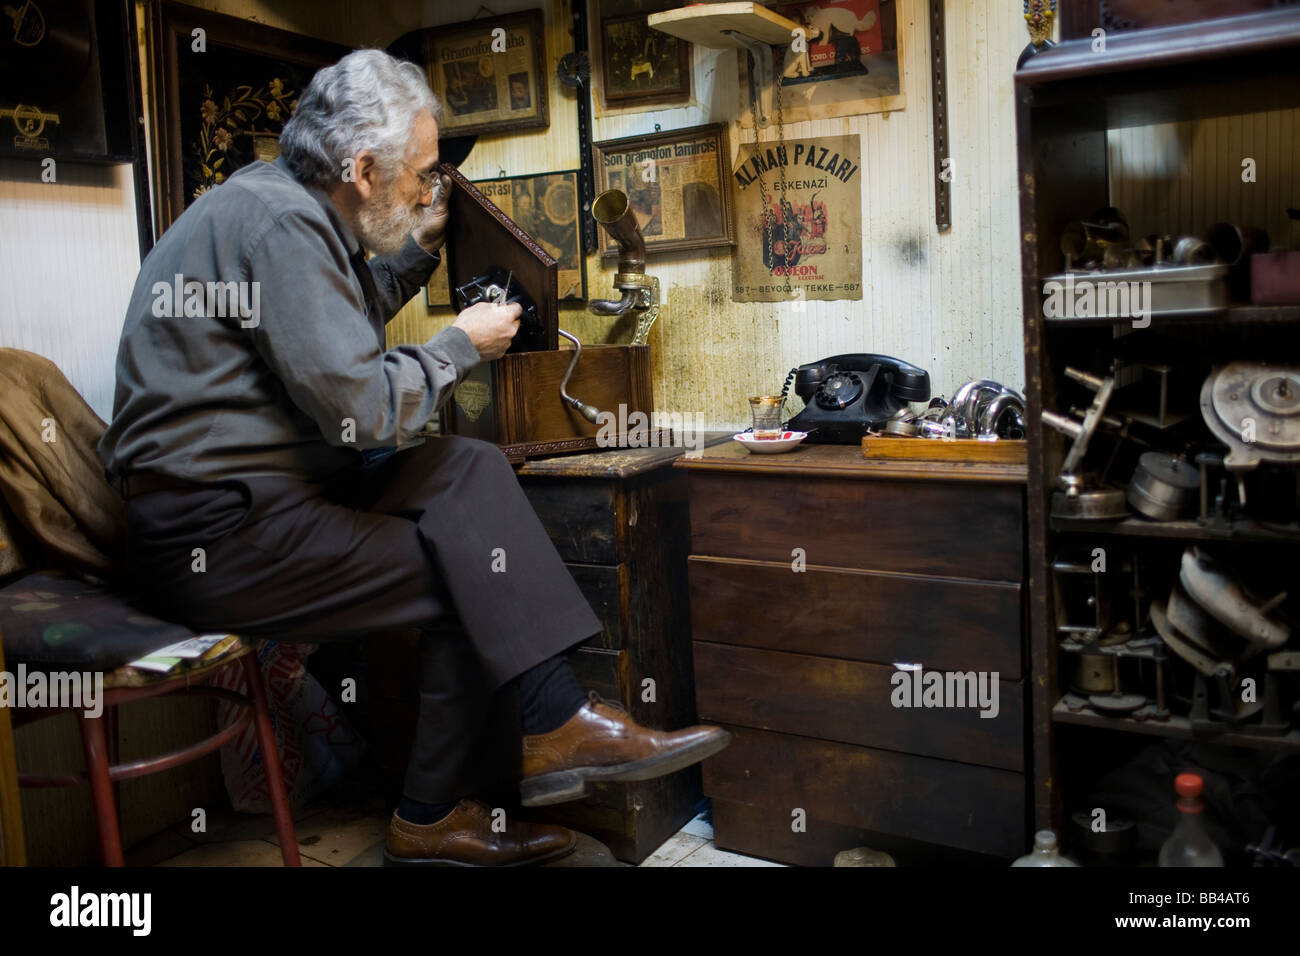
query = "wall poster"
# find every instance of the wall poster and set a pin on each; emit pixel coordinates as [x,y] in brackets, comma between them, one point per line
[798,220]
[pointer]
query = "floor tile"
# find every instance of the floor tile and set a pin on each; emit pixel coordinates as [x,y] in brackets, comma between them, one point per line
[676,848]
[238,853]
[701,826]
[159,847]
[709,855]
[338,836]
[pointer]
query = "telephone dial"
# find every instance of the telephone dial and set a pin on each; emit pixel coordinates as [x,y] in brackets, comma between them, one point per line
[845,395]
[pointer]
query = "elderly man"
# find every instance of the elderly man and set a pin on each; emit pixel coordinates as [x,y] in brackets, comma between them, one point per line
[253,438]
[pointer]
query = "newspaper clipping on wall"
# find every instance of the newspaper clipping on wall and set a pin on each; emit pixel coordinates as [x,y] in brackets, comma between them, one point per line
[798,220]
[487,74]
[675,184]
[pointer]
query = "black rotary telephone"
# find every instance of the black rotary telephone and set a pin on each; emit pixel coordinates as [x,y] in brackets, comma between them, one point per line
[847,394]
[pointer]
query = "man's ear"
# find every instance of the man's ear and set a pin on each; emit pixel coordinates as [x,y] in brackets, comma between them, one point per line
[366,174]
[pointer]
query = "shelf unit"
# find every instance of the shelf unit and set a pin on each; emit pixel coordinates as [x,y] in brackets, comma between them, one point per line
[1068,98]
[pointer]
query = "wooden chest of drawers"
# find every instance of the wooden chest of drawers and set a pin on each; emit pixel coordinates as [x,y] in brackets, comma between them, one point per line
[819,583]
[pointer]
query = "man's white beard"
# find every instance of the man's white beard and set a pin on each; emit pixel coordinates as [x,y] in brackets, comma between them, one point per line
[385,222]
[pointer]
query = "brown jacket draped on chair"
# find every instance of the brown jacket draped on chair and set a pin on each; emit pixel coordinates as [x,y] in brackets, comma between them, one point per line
[50,474]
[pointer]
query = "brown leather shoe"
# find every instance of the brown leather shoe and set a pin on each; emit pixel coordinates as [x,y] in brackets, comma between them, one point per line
[602,743]
[465,837]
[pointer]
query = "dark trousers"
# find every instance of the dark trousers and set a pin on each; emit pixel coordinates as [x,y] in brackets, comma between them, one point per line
[439,537]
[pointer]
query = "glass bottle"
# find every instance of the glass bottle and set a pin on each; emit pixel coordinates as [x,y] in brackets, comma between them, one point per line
[1190,843]
[1045,852]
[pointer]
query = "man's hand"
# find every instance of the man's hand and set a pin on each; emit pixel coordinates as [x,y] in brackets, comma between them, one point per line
[490,327]
[431,230]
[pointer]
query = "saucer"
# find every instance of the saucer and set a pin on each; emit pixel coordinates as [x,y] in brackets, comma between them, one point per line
[770,446]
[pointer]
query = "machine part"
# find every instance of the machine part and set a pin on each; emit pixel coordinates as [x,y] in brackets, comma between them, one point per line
[1117,703]
[1191,251]
[1093,675]
[967,400]
[1192,622]
[1110,845]
[1112,295]
[1093,504]
[1069,581]
[1199,658]
[589,412]
[1088,241]
[1003,417]
[1210,586]
[1163,488]
[901,424]
[1235,244]
[1254,408]
[1070,479]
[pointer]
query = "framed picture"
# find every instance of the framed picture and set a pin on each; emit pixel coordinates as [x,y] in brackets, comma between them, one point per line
[641,65]
[490,74]
[221,97]
[69,82]
[546,207]
[850,65]
[679,185]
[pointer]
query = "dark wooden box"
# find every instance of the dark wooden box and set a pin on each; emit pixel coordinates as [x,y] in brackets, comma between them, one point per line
[515,401]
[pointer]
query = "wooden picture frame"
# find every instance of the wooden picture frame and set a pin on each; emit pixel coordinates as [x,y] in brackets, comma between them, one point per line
[487,90]
[642,66]
[551,217]
[851,65]
[220,108]
[679,183]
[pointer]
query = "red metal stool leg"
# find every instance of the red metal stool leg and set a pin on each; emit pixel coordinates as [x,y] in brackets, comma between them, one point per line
[271,761]
[95,745]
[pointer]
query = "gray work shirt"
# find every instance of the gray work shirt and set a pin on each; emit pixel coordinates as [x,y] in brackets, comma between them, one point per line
[254,342]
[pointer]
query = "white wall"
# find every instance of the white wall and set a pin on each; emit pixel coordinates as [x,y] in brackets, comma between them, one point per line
[69,255]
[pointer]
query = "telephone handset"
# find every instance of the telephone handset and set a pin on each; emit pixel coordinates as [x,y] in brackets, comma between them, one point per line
[846,395]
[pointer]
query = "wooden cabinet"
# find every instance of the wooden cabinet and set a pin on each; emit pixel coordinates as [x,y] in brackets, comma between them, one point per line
[1081,119]
[618,519]
[820,583]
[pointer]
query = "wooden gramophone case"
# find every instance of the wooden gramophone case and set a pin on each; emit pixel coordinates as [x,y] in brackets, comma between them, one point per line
[515,401]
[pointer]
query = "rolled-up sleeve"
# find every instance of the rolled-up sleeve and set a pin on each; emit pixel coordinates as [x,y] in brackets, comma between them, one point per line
[313,333]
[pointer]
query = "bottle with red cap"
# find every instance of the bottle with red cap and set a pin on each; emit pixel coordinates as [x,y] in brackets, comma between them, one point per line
[1190,844]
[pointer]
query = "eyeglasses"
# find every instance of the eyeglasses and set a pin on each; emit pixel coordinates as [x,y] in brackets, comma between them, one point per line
[429,182]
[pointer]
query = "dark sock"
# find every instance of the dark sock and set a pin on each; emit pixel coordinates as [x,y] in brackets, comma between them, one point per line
[422,814]
[549,695]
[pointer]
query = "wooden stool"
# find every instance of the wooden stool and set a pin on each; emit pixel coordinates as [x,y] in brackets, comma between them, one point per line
[102,772]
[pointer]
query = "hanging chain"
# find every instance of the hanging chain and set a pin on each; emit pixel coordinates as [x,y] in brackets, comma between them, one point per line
[769,216]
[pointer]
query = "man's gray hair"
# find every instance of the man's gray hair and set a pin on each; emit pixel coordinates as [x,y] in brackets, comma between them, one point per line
[366,101]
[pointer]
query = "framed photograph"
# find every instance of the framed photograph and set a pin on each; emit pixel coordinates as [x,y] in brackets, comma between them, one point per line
[490,74]
[220,101]
[679,185]
[546,207]
[850,65]
[69,82]
[641,65]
